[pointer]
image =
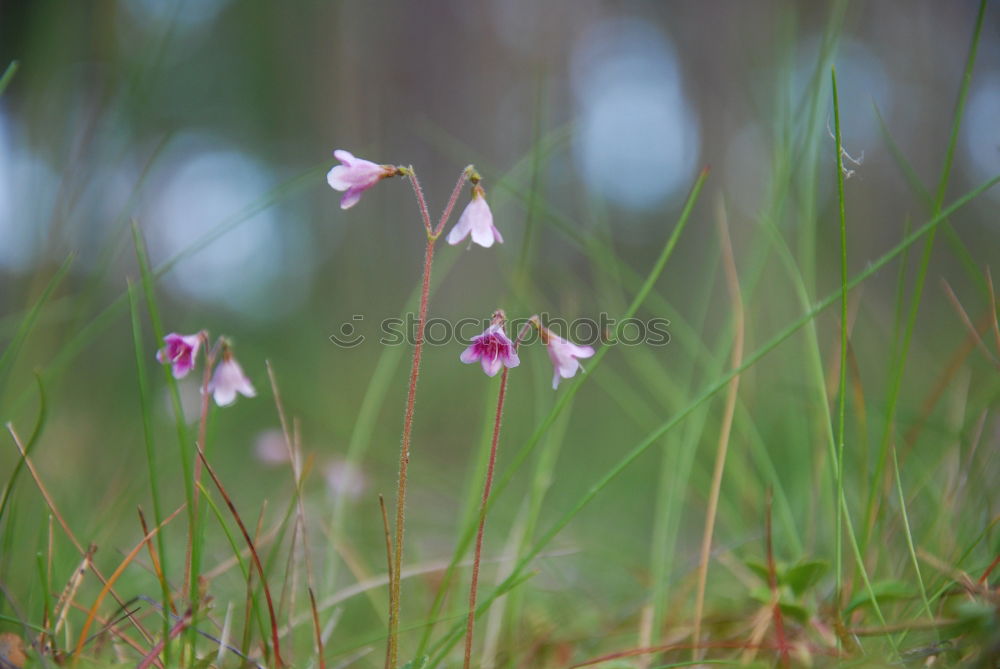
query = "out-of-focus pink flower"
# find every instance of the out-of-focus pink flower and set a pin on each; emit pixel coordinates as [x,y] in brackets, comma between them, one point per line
[229,379]
[492,349]
[355,176]
[180,351]
[344,478]
[476,219]
[270,448]
[563,355]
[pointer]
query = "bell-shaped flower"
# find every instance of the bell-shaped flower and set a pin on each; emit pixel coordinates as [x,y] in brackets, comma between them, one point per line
[228,380]
[180,351]
[492,349]
[476,219]
[564,356]
[355,176]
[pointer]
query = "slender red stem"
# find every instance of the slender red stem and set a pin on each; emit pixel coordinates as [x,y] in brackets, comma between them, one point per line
[388,554]
[425,215]
[446,214]
[317,630]
[150,657]
[404,455]
[404,451]
[482,520]
[487,487]
[253,553]
[989,570]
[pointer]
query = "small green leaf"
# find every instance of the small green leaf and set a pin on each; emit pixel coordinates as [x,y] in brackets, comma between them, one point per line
[760,569]
[789,607]
[804,575]
[418,663]
[797,612]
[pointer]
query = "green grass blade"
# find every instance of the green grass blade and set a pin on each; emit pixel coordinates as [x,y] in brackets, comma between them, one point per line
[842,383]
[8,489]
[913,180]
[184,444]
[145,405]
[8,75]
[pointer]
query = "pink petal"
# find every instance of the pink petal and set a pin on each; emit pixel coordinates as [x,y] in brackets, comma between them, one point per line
[470,355]
[491,365]
[339,177]
[343,156]
[181,368]
[481,219]
[351,197]
[460,231]
[496,233]
[482,236]
[224,395]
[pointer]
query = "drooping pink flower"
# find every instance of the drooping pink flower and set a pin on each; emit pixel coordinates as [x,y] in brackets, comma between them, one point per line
[229,379]
[355,176]
[180,351]
[478,220]
[492,349]
[564,356]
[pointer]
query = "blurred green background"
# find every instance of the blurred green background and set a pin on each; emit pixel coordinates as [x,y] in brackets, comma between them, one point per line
[212,123]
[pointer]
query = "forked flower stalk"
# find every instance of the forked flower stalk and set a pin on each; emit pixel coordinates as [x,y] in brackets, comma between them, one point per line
[418,345]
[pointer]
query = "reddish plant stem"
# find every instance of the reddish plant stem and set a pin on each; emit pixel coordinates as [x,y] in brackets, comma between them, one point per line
[395,568]
[179,626]
[388,555]
[425,215]
[482,520]
[317,630]
[446,214]
[986,574]
[253,553]
[487,487]
[404,454]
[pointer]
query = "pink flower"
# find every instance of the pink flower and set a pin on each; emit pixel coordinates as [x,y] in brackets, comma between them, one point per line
[477,219]
[344,478]
[180,351]
[355,176]
[563,355]
[229,379]
[492,349]
[270,448]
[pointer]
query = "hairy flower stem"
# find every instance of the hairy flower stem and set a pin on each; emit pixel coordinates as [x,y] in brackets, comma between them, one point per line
[487,487]
[482,520]
[404,456]
[392,653]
